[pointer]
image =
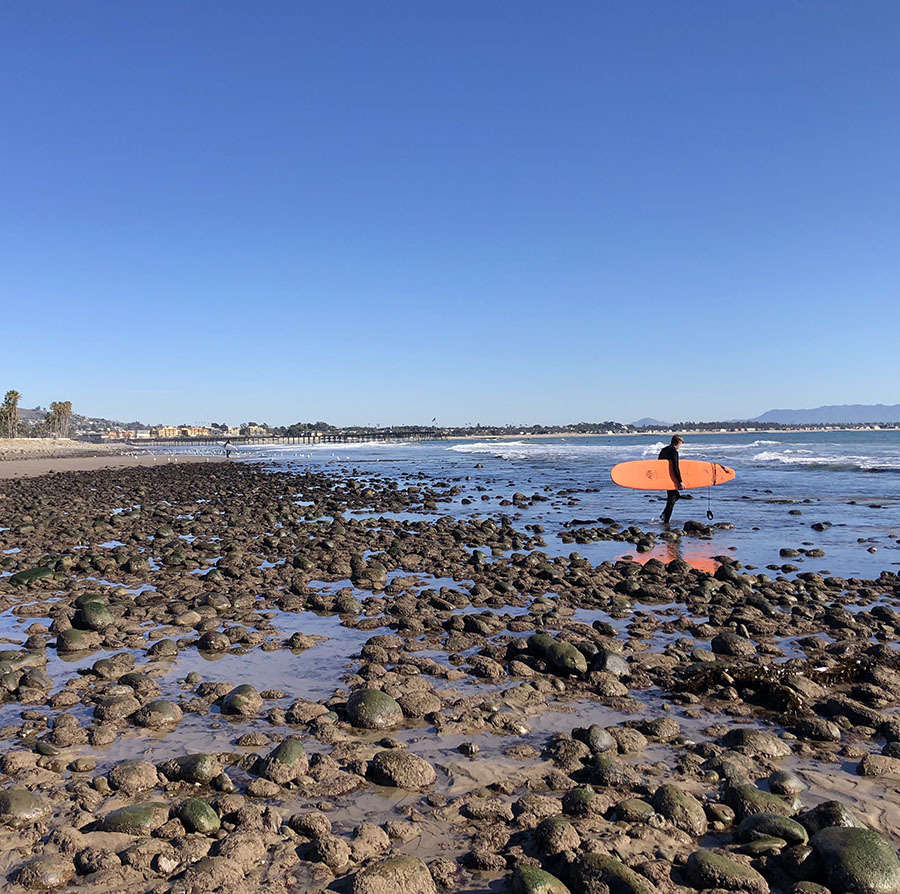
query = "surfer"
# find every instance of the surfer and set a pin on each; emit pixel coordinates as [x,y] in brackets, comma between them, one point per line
[672,496]
[227,448]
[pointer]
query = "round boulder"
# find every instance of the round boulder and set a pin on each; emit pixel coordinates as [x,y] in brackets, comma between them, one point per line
[401,769]
[46,873]
[858,860]
[136,819]
[373,709]
[19,806]
[200,768]
[287,762]
[158,714]
[403,874]
[133,777]
[243,700]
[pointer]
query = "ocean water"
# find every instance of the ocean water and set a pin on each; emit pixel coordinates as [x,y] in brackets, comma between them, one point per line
[785,483]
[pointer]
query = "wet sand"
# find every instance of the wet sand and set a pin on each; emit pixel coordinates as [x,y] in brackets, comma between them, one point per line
[29,468]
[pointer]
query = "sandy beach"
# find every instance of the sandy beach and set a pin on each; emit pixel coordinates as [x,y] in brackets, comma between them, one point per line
[28,468]
[27,457]
[44,448]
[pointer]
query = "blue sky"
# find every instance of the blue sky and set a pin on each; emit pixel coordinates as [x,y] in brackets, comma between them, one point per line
[502,212]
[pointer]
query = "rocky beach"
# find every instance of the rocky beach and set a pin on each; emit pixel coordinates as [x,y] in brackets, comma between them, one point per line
[218,676]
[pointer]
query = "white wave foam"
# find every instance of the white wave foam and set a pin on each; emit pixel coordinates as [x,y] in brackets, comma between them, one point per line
[541,449]
[834,462]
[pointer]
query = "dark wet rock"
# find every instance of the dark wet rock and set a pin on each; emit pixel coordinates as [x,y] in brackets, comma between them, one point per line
[214,641]
[603,874]
[634,810]
[116,707]
[598,739]
[756,743]
[94,615]
[331,850]
[403,874]
[401,769]
[746,799]
[565,658]
[30,575]
[74,640]
[879,765]
[610,662]
[829,814]
[567,753]
[582,801]
[762,846]
[661,729]
[856,712]
[19,806]
[418,704]
[46,873]
[531,880]
[287,762]
[612,773]
[197,816]
[136,819]
[312,824]
[556,835]
[243,700]
[681,809]
[760,825]
[709,869]
[801,862]
[163,648]
[784,782]
[200,768]
[817,728]
[158,714]
[730,643]
[133,777]
[628,740]
[858,860]
[373,709]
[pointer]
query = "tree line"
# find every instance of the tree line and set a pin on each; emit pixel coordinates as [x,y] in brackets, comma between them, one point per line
[57,420]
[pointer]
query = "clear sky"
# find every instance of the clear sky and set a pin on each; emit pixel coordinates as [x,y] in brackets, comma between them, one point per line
[500,212]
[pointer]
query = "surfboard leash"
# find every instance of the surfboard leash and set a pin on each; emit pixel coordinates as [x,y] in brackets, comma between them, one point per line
[709,512]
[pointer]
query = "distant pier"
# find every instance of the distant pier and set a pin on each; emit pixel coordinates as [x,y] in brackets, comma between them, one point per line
[312,437]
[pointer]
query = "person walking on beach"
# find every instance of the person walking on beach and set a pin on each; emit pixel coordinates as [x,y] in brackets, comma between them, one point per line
[672,496]
[227,448]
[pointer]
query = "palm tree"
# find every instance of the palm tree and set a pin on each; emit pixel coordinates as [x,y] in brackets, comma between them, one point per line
[60,418]
[9,413]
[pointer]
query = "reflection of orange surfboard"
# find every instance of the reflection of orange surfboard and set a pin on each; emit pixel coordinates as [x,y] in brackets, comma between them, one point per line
[656,474]
[665,552]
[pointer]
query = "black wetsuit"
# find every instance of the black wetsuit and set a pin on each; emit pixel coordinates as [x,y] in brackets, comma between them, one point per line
[672,496]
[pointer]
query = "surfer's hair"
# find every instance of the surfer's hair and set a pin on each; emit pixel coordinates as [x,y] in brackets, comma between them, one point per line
[676,439]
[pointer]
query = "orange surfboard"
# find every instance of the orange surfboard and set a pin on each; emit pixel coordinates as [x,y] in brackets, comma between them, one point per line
[656,474]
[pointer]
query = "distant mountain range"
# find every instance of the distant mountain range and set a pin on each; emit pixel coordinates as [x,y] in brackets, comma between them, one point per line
[649,422]
[853,414]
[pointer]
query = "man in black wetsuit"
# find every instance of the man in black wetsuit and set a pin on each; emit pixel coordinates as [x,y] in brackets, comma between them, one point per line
[672,496]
